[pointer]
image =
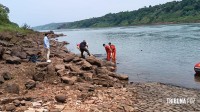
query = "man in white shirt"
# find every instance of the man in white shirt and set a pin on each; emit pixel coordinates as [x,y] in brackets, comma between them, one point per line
[47,47]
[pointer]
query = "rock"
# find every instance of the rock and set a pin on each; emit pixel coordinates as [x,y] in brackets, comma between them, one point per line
[30,84]
[111,69]
[7,100]
[75,69]
[6,75]
[51,69]
[61,72]
[94,61]
[16,103]
[12,88]
[1,79]
[102,70]
[60,98]
[5,56]
[42,64]
[122,77]
[39,76]
[19,54]
[68,80]
[59,107]
[86,66]
[23,103]
[68,58]
[59,67]
[88,76]
[13,60]
[10,107]
[109,63]
[103,82]
[36,104]
[77,59]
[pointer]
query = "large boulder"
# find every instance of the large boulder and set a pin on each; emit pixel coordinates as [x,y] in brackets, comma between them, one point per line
[19,54]
[13,60]
[12,88]
[92,60]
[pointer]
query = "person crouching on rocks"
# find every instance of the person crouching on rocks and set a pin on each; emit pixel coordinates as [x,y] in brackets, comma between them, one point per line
[47,47]
[84,47]
[108,51]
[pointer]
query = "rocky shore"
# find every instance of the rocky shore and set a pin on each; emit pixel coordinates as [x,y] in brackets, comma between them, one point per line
[73,84]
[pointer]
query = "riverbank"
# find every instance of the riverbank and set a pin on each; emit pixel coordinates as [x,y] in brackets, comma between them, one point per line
[71,83]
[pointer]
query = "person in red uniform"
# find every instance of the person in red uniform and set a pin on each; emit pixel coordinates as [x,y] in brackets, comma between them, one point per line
[108,51]
[113,51]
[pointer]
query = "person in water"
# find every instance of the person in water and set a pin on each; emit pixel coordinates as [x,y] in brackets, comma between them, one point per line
[113,51]
[84,47]
[108,51]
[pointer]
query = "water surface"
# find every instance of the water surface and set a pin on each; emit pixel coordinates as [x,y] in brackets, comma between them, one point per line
[161,53]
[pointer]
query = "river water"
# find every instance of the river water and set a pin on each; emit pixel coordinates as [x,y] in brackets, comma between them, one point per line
[156,53]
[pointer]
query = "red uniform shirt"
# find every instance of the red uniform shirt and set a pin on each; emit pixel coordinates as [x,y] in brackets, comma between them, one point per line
[107,48]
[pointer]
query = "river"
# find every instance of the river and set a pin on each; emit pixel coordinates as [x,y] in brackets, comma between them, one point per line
[154,53]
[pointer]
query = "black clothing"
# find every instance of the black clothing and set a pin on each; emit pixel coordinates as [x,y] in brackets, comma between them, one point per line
[82,50]
[83,45]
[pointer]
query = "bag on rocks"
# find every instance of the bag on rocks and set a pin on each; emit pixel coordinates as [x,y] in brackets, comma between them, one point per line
[33,58]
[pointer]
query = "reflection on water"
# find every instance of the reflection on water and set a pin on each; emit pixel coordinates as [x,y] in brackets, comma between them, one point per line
[197,78]
[161,53]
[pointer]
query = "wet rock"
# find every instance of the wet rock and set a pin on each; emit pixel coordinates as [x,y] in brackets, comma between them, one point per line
[122,77]
[1,79]
[94,61]
[42,64]
[68,80]
[60,98]
[111,69]
[13,60]
[59,67]
[30,84]
[103,82]
[12,88]
[39,76]
[10,107]
[6,75]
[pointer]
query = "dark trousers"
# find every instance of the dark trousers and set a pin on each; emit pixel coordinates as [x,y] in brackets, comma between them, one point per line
[86,50]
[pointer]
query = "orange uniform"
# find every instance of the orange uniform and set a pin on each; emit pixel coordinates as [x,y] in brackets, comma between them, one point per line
[113,51]
[108,51]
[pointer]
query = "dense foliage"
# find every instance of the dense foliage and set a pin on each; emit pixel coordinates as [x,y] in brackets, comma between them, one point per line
[7,25]
[184,11]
